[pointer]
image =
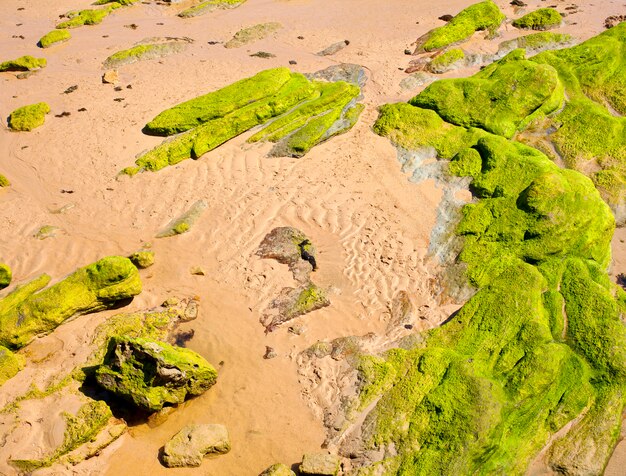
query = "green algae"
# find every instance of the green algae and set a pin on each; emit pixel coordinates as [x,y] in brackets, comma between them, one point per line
[5,275]
[252,34]
[151,374]
[446,61]
[87,17]
[23,63]
[536,42]
[541,19]
[142,259]
[209,6]
[215,105]
[501,98]
[4,182]
[10,364]
[27,118]
[80,428]
[54,37]
[30,310]
[145,51]
[480,16]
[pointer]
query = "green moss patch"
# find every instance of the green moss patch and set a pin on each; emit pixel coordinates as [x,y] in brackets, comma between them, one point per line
[146,51]
[209,6]
[54,37]
[151,374]
[87,17]
[480,16]
[542,19]
[252,34]
[24,63]
[27,118]
[10,364]
[30,310]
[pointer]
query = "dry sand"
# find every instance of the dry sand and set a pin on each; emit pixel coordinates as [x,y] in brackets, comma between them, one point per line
[370,224]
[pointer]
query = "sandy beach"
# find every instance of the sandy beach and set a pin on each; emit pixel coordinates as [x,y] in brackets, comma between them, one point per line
[370,224]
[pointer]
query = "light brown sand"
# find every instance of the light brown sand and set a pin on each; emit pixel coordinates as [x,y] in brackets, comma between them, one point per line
[371,226]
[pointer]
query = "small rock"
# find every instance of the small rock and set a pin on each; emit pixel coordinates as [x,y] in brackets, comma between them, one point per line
[110,77]
[71,89]
[142,259]
[191,311]
[334,48]
[278,469]
[408,52]
[296,329]
[518,3]
[270,353]
[171,302]
[320,464]
[47,231]
[446,18]
[188,447]
[263,54]
[197,271]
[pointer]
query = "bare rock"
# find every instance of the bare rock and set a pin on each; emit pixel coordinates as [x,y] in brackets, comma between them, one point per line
[190,445]
[111,77]
[320,464]
[334,48]
[278,469]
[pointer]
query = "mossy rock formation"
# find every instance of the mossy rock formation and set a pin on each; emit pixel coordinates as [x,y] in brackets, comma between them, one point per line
[79,18]
[542,19]
[150,48]
[5,275]
[541,345]
[23,63]
[4,182]
[54,37]
[152,374]
[536,43]
[10,364]
[27,118]
[31,310]
[480,16]
[209,6]
[305,114]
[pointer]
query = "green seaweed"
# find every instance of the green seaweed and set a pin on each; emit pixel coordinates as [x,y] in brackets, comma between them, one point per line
[10,364]
[80,428]
[23,63]
[53,37]
[480,16]
[541,19]
[30,311]
[87,17]
[5,275]
[27,118]
[151,374]
[209,6]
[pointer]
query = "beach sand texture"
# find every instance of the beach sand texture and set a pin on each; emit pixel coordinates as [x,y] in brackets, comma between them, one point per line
[371,225]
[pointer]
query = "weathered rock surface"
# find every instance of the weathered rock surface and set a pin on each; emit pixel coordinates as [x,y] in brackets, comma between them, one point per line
[320,464]
[190,445]
[278,469]
[151,374]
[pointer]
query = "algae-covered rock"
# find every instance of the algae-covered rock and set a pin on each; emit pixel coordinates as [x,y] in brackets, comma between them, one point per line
[151,374]
[142,259]
[54,37]
[190,445]
[289,246]
[278,469]
[536,42]
[24,63]
[4,182]
[447,61]
[10,364]
[542,19]
[320,464]
[209,6]
[252,34]
[501,98]
[80,428]
[150,48]
[307,113]
[5,275]
[46,231]
[27,118]
[31,310]
[481,16]
[183,223]
[87,17]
